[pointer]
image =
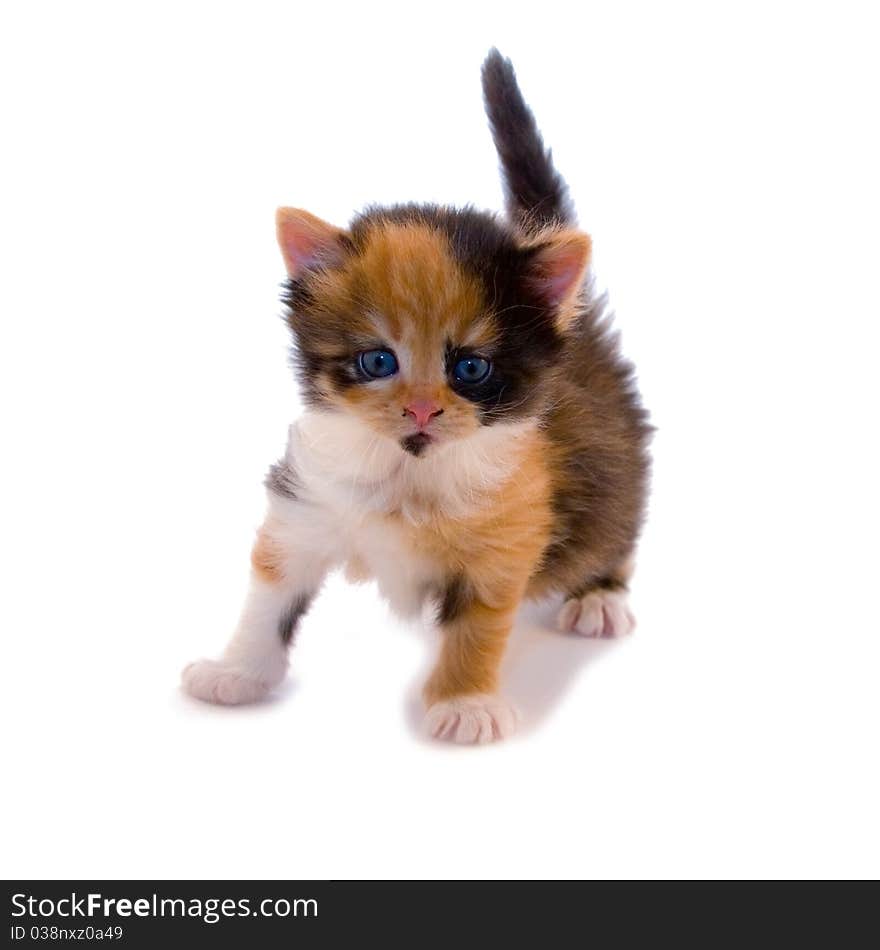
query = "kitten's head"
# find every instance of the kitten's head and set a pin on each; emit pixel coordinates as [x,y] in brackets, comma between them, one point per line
[426,323]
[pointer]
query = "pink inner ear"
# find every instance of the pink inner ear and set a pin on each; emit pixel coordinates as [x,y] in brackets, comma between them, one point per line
[559,268]
[306,241]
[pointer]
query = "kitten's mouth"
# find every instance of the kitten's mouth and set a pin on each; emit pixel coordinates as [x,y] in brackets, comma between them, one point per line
[416,443]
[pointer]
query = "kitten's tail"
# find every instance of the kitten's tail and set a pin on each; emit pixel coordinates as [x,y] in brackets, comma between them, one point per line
[535,193]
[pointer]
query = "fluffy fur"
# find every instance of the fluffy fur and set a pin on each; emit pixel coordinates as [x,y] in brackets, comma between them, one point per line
[472,495]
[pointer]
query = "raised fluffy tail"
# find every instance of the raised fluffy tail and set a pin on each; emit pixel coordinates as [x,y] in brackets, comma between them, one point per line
[536,195]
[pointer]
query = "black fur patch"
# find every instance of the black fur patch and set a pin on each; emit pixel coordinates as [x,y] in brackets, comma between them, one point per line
[310,364]
[291,617]
[535,192]
[606,582]
[455,599]
[416,443]
[282,479]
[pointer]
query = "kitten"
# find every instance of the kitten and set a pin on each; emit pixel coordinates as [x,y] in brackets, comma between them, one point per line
[472,436]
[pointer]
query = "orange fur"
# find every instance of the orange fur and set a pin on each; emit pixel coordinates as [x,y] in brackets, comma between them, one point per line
[417,285]
[471,653]
[267,557]
[499,548]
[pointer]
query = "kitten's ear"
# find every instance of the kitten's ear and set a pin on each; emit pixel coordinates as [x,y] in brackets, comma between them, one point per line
[308,242]
[557,268]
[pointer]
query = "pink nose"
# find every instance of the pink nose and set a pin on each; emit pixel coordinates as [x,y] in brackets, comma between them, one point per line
[423,411]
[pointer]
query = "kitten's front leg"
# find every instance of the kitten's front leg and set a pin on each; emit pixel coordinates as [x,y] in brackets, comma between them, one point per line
[463,704]
[286,574]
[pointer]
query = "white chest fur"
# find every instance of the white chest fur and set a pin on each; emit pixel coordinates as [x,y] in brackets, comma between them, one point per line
[362,499]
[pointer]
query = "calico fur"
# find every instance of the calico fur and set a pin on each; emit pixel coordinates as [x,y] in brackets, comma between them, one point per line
[527,483]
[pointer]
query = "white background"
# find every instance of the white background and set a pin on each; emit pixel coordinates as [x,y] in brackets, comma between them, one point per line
[725,160]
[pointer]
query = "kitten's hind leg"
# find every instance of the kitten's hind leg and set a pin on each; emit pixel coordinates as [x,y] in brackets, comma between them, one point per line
[283,581]
[599,608]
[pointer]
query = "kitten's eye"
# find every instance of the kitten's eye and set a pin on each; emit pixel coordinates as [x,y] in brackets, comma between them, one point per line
[378,363]
[471,369]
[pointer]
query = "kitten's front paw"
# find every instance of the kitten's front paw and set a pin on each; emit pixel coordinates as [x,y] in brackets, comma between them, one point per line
[470,719]
[217,682]
[601,613]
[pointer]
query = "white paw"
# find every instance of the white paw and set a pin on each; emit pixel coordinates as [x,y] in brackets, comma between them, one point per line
[218,682]
[601,613]
[470,719]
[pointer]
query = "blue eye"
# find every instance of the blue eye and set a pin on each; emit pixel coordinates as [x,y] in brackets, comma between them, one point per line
[378,363]
[471,369]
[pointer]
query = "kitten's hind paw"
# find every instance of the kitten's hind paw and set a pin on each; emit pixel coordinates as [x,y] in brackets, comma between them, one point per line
[601,613]
[471,719]
[214,681]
